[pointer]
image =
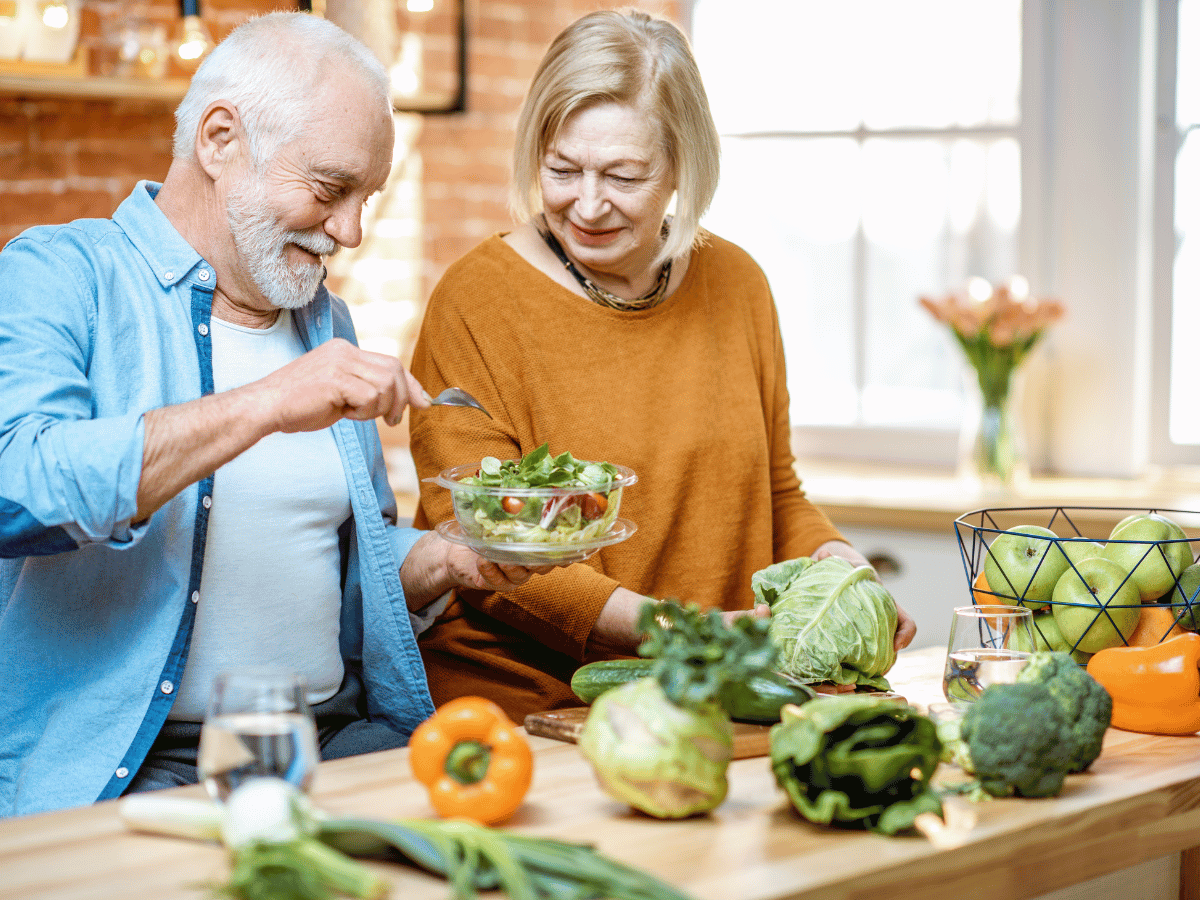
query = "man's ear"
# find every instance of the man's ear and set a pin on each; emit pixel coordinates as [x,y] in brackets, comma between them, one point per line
[220,139]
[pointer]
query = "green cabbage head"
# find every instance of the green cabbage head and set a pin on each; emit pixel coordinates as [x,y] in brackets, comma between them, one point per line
[832,621]
[665,760]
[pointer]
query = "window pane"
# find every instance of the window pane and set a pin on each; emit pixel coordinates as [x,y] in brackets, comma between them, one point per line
[936,214]
[922,63]
[851,229]
[801,231]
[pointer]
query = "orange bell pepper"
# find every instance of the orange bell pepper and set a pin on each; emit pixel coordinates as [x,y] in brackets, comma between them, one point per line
[1155,689]
[472,759]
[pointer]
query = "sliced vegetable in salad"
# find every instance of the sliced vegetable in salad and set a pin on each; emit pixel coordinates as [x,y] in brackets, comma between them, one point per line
[540,498]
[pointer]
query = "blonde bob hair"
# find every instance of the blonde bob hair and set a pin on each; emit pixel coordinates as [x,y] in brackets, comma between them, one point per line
[629,58]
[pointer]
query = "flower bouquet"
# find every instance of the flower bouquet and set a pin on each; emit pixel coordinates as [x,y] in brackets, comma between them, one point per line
[996,327]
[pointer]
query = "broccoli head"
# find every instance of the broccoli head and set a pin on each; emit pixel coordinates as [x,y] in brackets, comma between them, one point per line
[1087,705]
[1018,740]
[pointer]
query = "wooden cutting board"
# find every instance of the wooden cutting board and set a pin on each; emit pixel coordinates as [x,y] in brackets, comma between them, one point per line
[566,724]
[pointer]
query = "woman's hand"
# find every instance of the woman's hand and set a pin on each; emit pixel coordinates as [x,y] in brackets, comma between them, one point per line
[906,627]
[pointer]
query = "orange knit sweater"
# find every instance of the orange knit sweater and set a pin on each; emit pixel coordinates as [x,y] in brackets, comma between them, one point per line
[690,394]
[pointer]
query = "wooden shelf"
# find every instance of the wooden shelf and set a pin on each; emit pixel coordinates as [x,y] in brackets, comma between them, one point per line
[92,88]
[20,78]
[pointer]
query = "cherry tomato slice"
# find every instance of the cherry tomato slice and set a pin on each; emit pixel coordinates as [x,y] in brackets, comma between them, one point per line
[593,505]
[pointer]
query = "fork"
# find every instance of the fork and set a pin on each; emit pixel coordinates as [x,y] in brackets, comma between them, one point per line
[456,397]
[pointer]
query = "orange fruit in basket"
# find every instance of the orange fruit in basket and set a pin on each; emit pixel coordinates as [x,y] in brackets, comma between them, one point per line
[980,591]
[981,595]
[1157,623]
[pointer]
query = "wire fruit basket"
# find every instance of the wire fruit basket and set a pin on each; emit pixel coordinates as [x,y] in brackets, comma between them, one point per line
[1137,583]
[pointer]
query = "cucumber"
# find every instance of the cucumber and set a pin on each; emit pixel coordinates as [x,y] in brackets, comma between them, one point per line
[592,680]
[761,698]
[758,701]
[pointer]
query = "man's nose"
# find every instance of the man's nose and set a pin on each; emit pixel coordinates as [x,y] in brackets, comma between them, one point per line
[345,224]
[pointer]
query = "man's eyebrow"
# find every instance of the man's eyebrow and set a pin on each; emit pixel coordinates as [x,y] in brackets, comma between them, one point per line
[336,173]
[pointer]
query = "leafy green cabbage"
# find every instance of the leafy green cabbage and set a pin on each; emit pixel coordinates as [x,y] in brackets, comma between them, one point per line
[831,620]
[858,762]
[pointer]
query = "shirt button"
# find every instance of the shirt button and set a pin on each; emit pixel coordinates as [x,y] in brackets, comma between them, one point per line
[167,687]
[203,329]
[204,274]
[122,772]
[168,275]
[195,596]
[207,501]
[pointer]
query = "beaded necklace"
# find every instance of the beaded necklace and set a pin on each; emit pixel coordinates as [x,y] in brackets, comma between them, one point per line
[598,294]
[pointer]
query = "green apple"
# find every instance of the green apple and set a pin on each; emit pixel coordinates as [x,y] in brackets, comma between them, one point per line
[1096,605]
[1184,599]
[1078,549]
[1127,520]
[1046,637]
[1022,565]
[1153,548]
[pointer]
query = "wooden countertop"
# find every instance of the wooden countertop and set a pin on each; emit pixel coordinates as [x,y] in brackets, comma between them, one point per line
[1140,801]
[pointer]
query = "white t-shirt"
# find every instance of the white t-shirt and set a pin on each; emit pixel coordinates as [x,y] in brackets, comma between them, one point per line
[270,592]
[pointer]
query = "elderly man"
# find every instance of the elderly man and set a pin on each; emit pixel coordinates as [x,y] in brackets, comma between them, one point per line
[190,474]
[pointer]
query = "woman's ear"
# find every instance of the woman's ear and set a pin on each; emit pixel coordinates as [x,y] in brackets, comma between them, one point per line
[220,138]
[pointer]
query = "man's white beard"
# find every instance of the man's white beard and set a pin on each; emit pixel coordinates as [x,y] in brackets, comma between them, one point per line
[262,241]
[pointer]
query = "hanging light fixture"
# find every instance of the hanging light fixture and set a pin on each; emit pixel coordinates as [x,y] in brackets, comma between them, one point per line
[193,41]
[54,13]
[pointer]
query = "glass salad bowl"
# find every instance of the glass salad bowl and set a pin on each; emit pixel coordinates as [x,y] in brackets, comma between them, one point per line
[538,510]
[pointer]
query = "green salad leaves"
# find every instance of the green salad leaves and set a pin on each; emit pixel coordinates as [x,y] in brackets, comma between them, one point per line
[530,500]
[831,620]
[538,468]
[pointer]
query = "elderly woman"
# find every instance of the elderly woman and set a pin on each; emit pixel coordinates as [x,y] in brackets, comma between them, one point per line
[607,328]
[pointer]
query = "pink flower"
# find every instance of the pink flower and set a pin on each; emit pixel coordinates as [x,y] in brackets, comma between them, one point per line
[1004,317]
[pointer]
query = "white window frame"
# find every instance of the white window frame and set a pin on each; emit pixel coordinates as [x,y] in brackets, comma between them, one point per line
[1166,144]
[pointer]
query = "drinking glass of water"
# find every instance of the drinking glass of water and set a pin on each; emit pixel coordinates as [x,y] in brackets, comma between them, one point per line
[258,723]
[980,651]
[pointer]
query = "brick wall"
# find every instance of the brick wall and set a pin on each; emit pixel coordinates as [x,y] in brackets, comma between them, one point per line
[466,156]
[67,159]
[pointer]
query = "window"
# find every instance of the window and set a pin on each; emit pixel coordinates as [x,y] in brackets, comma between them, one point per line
[876,151]
[862,168]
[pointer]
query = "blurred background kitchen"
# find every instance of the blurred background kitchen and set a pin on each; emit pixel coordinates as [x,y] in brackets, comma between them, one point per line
[874,152]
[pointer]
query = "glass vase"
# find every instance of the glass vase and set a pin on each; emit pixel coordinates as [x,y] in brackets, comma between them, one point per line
[992,444]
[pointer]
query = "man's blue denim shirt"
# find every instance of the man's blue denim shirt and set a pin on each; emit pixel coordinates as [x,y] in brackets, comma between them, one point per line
[100,321]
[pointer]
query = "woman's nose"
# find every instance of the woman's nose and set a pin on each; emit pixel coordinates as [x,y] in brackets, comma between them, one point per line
[591,203]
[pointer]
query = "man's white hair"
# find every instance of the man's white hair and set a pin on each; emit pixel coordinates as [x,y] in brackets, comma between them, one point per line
[269,68]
